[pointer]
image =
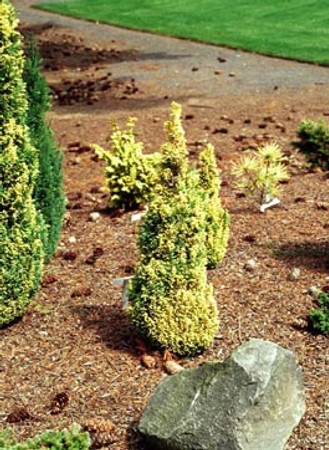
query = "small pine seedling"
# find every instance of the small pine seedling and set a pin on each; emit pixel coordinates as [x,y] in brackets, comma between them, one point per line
[262,172]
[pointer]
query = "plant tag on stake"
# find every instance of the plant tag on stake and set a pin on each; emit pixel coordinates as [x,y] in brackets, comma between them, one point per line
[136,217]
[123,282]
[264,206]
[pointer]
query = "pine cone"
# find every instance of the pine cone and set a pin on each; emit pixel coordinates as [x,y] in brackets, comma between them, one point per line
[171,367]
[19,415]
[98,425]
[70,255]
[59,402]
[81,292]
[148,361]
[100,439]
[97,253]
[49,279]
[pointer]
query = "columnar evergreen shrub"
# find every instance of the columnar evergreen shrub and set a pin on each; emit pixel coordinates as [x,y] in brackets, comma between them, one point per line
[174,162]
[130,175]
[21,252]
[48,193]
[172,303]
[72,439]
[320,317]
[314,142]
[217,219]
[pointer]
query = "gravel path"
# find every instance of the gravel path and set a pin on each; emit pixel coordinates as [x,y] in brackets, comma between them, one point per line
[189,67]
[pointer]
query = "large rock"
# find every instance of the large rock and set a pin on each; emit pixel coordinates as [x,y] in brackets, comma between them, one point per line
[251,401]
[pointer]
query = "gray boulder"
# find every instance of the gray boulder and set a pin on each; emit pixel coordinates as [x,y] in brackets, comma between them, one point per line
[251,401]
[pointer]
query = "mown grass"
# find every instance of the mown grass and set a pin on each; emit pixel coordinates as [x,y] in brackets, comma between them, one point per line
[294,29]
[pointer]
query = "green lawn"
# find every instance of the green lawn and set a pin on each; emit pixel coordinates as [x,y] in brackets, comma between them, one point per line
[296,29]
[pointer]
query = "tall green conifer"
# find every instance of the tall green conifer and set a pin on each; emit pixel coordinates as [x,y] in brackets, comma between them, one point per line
[21,252]
[48,193]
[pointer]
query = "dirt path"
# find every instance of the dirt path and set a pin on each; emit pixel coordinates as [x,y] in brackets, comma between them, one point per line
[190,68]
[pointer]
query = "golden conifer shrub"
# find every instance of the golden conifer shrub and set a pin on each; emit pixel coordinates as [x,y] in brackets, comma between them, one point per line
[172,303]
[21,252]
[130,174]
[217,218]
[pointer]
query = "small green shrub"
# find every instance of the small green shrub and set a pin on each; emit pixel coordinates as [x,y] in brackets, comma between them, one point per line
[130,175]
[48,193]
[217,220]
[72,439]
[314,142]
[262,172]
[320,317]
[172,304]
[21,252]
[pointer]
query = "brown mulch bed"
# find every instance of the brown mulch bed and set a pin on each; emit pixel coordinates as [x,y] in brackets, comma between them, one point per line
[74,356]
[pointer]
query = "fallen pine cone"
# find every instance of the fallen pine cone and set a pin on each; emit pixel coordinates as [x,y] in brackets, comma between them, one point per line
[81,292]
[98,425]
[323,205]
[59,402]
[49,279]
[70,255]
[101,439]
[19,415]
[148,361]
[101,431]
[97,253]
[171,367]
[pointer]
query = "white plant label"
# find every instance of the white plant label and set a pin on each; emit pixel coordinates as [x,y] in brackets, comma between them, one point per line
[136,217]
[123,282]
[264,206]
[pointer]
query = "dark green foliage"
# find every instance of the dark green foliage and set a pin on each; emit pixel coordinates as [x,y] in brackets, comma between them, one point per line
[320,317]
[314,142]
[21,252]
[53,440]
[48,194]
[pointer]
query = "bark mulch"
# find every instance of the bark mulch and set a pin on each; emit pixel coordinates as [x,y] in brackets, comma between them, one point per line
[74,357]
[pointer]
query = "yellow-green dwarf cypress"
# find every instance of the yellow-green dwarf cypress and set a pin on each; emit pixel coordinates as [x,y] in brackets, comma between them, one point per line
[21,252]
[172,303]
[217,218]
[130,175]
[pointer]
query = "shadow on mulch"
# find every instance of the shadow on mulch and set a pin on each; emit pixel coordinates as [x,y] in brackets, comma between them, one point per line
[11,325]
[134,440]
[307,328]
[111,324]
[115,212]
[314,255]
[129,104]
